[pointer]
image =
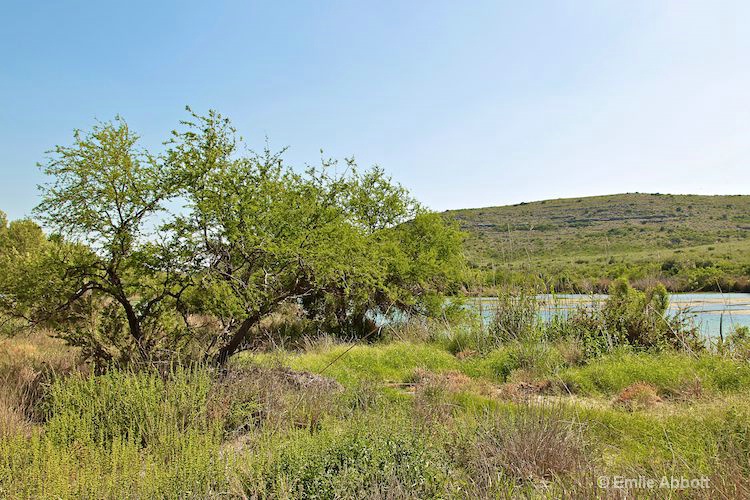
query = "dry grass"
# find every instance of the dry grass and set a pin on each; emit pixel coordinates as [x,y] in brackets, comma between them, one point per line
[689,391]
[638,396]
[432,402]
[27,364]
[451,381]
[435,393]
[533,446]
[13,420]
[572,351]
[271,398]
[734,480]
[466,354]
[524,390]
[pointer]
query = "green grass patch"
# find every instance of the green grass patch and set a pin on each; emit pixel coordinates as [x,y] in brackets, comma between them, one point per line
[397,361]
[393,362]
[669,372]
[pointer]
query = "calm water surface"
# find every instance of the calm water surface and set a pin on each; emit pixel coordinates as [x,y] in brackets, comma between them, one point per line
[712,312]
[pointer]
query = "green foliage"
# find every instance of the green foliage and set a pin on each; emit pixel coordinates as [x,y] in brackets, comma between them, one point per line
[512,317]
[103,280]
[638,318]
[141,434]
[580,245]
[515,317]
[20,237]
[737,343]
[369,456]
[117,435]
[129,281]
[394,361]
[141,408]
[33,281]
[348,246]
[669,372]
[629,317]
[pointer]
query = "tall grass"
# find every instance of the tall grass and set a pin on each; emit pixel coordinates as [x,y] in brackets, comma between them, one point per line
[142,408]
[399,419]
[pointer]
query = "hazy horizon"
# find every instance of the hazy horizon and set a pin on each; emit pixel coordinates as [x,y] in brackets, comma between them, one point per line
[469,106]
[603,195]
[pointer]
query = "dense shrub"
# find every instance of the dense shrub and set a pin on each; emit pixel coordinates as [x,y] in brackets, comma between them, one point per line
[385,456]
[633,318]
[143,408]
[737,343]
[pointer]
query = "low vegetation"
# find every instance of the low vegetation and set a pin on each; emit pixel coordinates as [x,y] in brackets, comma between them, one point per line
[685,242]
[410,415]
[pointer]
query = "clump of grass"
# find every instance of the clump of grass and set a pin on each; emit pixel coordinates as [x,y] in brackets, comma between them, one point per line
[366,395]
[571,350]
[637,396]
[689,390]
[432,402]
[245,399]
[434,394]
[731,469]
[535,444]
[538,358]
[28,363]
[13,420]
[496,365]
[515,317]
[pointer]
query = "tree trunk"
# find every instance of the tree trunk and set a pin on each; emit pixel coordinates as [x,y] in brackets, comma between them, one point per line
[239,336]
[134,325]
[235,342]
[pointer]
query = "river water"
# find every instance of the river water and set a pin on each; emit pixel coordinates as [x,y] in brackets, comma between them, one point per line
[713,313]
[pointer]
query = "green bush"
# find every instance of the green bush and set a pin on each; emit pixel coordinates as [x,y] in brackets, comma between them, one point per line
[120,434]
[737,343]
[143,408]
[372,457]
[39,468]
[629,317]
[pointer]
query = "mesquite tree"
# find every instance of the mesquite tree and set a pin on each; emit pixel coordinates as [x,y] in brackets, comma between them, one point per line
[105,194]
[342,244]
[249,235]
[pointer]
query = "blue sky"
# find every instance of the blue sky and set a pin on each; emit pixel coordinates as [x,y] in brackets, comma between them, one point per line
[466,103]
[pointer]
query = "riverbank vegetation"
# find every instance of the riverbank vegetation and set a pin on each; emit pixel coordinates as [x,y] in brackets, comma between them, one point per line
[183,253]
[201,322]
[429,410]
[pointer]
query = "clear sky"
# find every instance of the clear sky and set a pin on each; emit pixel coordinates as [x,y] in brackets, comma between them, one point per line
[468,104]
